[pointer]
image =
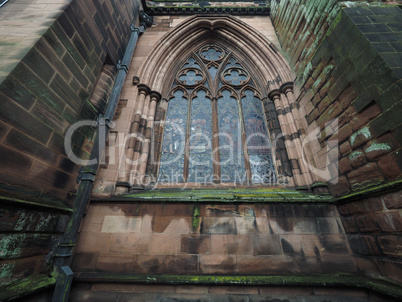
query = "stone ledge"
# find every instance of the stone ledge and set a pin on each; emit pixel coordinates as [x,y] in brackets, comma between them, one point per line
[26,287]
[35,203]
[370,191]
[221,196]
[347,280]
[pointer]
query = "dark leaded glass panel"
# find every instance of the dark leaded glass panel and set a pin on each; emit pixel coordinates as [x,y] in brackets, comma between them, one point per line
[258,142]
[172,157]
[230,147]
[200,161]
[213,71]
[192,63]
[232,63]
[211,54]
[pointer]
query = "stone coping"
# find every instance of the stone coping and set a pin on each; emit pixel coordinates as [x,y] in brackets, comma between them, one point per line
[241,195]
[182,7]
[26,287]
[348,280]
[247,194]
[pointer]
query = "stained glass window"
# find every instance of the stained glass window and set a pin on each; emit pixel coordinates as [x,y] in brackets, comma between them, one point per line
[258,142]
[200,162]
[215,124]
[230,146]
[173,146]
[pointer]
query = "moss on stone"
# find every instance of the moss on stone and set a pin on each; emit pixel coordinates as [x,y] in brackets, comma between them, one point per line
[371,190]
[348,280]
[228,195]
[25,287]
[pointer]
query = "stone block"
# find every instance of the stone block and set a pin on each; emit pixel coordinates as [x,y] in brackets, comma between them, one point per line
[367,223]
[27,145]
[246,225]
[364,176]
[165,244]
[197,244]
[177,210]
[389,221]
[25,122]
[333,263]
[391,245]
[267,265]
[340,188]
[352,208]
[360,137]
[171,225]
[147,264]
[17,92]
[14,162]
[183,264]
[364,245]
[217,264]
[218,225]
[393,200]
[390,269]
[84,262]
[386,121]
[121,224]
[229,244]
[357,158]
[380,146]
[93,242]
[133,243]
[344,166]
[342,133]
[349,223]
[329,114]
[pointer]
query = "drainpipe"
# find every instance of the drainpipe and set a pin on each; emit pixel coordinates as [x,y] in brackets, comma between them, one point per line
[64,251]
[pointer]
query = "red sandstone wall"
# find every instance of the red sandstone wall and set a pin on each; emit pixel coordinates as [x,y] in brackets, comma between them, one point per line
[374,227]
[270,239]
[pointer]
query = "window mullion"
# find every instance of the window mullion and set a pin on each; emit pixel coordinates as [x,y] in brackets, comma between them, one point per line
[187,145]
[215,142]
[244,142]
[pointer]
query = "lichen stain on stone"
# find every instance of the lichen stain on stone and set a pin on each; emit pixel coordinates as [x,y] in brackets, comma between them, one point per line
[355,155]
[362,132]
[379,147]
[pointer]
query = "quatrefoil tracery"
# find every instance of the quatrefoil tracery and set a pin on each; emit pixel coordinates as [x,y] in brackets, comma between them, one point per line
[235,77]
[212,53]
[190,77]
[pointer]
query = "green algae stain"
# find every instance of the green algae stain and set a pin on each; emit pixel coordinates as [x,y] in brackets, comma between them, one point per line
[196,218]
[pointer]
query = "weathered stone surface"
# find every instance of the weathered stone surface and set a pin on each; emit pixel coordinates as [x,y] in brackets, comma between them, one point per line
[341,187]
[389,166]
[344,166]
[357,158]
[391,245]
[381,146]
[393,200]
[389,221]
[365,176]
[360,137]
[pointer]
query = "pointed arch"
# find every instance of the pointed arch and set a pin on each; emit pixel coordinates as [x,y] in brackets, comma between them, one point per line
[268,63]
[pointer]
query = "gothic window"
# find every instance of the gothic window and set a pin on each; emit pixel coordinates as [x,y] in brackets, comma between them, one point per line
[215,127]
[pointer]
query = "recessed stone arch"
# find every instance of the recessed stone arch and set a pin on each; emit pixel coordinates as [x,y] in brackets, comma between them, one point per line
[254,51]
[268,63]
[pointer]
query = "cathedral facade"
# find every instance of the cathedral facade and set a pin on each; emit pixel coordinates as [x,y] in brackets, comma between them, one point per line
[200,151]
